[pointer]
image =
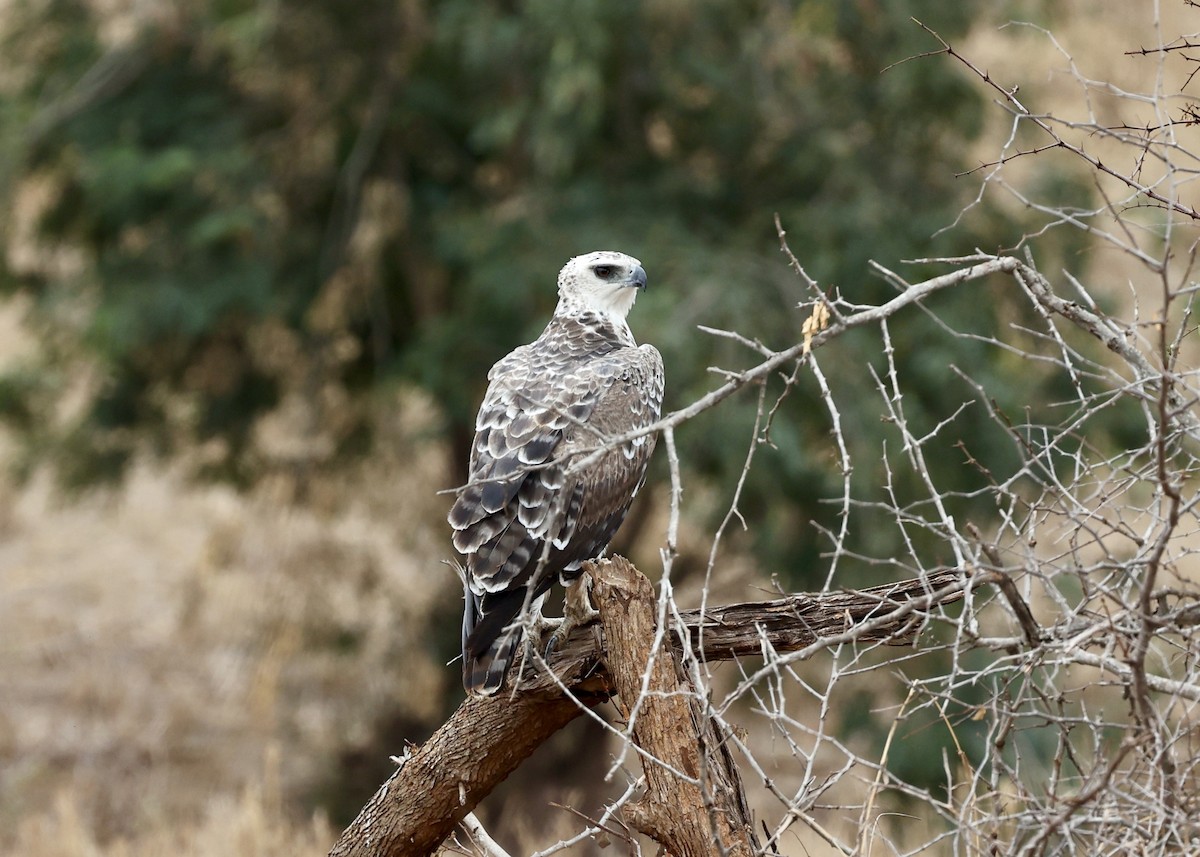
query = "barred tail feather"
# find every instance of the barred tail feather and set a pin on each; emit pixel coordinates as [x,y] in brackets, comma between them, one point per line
[484,674]
[488,641]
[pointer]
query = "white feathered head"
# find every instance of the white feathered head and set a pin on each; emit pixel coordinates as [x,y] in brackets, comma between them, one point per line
[604,281]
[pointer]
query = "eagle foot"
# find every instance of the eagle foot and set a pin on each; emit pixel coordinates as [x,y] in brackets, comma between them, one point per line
[577,612]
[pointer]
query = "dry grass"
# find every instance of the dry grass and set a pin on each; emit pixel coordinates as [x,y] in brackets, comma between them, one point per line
[249,826]
[156,641]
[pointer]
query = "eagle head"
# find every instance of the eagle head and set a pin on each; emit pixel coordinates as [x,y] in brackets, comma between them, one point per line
[604,281]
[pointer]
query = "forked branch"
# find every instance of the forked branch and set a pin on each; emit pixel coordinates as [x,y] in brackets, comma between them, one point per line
[486,739]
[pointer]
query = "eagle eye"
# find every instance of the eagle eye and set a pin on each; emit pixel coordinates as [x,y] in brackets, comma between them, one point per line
[604,272]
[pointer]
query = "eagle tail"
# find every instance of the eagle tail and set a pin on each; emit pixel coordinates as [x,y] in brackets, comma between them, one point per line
[484,674]
[490,638]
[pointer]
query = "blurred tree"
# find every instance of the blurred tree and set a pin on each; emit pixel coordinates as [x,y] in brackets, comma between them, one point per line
[238,222]
[281,207]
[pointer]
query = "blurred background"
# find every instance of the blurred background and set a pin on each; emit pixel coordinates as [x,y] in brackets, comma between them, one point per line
[256,260]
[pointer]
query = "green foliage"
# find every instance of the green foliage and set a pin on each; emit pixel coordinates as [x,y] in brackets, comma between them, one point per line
[272,201]
[396,188]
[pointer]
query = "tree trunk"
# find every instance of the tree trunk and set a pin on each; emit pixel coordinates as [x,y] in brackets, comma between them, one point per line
[702,813]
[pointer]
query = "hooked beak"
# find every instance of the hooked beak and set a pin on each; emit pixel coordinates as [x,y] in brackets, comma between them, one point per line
[637,278]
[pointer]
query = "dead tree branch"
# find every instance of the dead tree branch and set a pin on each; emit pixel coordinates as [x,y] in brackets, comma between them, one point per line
[460,764]
[486,739]
[704,812]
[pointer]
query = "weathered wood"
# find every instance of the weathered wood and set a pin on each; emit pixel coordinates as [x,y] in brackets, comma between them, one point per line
[786,624]
[460,764]
[702,813]
[486,739]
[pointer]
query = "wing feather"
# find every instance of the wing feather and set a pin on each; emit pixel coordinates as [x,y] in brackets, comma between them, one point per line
[525,518]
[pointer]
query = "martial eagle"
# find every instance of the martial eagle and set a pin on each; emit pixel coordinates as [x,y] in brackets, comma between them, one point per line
[539,499]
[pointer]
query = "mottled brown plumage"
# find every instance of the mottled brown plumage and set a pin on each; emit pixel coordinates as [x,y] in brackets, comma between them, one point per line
[525,518]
